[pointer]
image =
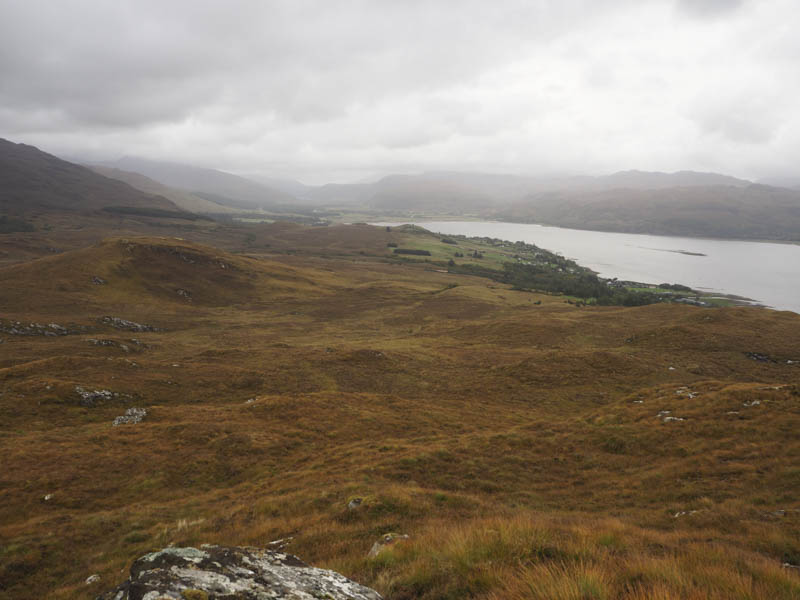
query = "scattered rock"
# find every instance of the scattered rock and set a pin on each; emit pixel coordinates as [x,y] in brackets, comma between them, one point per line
[92,579]
[118,323]
[672,368]
[683,513]
[49,330]
[387,539]
[355,503]
[90,397]
[109,344]
[98,280]
[184,294]
[231,572]
[758,356]
[131,417]
[749,403]
[665,416]
[47,497]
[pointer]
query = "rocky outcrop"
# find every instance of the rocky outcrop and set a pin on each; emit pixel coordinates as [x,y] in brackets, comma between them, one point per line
[118,323]
[225,573]
[47,330]
[132,416]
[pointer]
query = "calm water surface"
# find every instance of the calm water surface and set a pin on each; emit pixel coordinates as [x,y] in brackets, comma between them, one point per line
[768,273]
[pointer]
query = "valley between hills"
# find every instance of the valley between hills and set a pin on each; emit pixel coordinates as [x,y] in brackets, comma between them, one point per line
[173,379]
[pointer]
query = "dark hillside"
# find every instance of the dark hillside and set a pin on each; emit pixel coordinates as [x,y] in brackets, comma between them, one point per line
[32,180]
[751,212]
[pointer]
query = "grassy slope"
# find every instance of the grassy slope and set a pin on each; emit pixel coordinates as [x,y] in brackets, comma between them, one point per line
[507,438]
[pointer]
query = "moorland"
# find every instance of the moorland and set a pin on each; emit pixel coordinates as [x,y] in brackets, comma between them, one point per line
[531,445]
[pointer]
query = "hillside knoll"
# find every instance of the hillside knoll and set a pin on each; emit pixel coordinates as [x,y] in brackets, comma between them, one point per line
[143,272]
[66,231]
[529,450]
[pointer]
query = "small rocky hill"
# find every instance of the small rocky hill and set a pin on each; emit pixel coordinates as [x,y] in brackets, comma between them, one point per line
[219,572]
[149,271]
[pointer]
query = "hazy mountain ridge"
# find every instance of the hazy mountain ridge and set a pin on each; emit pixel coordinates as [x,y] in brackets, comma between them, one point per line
[752,212]
[185,200]
[224,187]
[31,180]
[474,190]
[684,203]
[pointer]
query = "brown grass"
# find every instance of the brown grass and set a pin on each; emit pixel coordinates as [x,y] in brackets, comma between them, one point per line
[517,444]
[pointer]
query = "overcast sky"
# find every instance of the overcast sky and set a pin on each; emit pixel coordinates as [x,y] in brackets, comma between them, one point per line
[341,90]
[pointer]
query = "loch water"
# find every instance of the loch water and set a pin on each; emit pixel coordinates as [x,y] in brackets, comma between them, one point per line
[765,272]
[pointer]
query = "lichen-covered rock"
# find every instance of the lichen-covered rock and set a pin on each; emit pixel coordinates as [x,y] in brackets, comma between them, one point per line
[228,573]
[132,416]
[119,323]
[90,398]
[48,330]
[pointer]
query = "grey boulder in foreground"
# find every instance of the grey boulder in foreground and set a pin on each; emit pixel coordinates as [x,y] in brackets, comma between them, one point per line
[225,573]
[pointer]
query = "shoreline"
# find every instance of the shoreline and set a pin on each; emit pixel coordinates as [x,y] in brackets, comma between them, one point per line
[467,219]
[699,296]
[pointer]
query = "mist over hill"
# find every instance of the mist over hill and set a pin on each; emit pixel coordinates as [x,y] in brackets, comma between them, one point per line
[684,203]
[751,212]
[453,190]
[186,200]
[213,185]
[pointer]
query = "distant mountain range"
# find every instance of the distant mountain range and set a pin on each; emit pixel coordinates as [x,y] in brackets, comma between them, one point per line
[683,203]
[35,184]
[212,185]
[453,191]
[753,211]
[185,200]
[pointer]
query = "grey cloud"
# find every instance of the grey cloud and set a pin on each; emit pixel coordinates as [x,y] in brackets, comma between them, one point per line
[331,89]
[709,8]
